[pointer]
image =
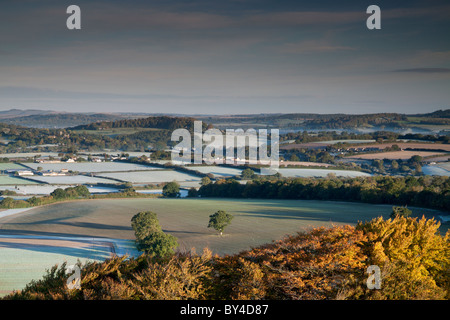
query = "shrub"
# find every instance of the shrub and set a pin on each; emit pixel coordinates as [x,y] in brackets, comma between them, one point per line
[400,212]
[192,193]
[158,244]
[171,190]
[59,194]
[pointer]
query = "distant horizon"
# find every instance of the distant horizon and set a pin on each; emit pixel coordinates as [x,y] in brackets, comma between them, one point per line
[208,114]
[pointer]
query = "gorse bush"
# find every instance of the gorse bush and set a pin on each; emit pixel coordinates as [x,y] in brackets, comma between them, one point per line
[323,263]
[415,257]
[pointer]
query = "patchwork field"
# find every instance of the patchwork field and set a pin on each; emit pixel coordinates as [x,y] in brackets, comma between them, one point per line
[33,240]
[68,180]
[44,189]
[8,180]
[150,176]
[91,166]
[305,164]
[298,173]
[395,155]
[28,154]
[11,166]
[306,145]
[411,146]
[441,169]
[217,170]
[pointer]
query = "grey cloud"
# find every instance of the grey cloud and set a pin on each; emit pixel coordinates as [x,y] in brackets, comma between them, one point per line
[39,93]
[312,46]
[162,18]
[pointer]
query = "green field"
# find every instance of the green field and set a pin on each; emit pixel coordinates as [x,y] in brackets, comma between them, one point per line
[256,221]
[23,259]
[10,180]
[53,228]
[11,166]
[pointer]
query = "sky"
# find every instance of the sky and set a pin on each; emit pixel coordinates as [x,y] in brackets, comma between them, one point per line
[225,57]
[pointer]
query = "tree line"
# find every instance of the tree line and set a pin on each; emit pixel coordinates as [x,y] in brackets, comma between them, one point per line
[159,122]
[379,136]
[70,193]
[429,192]
[339,121]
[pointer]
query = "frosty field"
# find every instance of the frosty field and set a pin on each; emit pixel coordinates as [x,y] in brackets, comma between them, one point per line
[66,180]
[24,258]
[10,166]
[150,176]
[44,189]
[5,180]
[320,173]
[442,169]
[28,154]
[90,166]
[217,171]
[255,222]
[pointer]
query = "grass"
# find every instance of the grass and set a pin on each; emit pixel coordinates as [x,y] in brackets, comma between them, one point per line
[25,259]
[150,176]
[28,154]
[67,180]
[217,170]
[256,221]
[11,166]
[10,180]
[91,166]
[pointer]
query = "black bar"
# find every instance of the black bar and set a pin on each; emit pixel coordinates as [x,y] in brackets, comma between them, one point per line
[198,309]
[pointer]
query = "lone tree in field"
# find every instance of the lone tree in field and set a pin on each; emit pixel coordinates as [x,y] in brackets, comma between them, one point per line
[149,235]
[144,223]
[171,190]
[219,220]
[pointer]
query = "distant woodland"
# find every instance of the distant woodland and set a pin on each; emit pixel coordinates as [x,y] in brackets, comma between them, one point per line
[311,121]
[153,133]
[162,122]
[150,133]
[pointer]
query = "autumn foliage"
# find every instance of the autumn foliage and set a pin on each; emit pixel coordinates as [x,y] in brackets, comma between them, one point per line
[323,263]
